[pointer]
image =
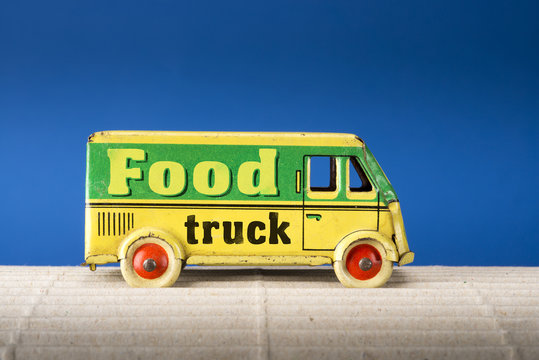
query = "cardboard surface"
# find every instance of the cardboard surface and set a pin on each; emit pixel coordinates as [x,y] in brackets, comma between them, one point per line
[270,313]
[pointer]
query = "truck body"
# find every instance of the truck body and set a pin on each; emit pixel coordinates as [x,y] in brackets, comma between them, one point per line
[239,199]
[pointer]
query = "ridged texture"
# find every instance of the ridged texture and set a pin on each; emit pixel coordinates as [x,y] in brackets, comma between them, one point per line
[217,313]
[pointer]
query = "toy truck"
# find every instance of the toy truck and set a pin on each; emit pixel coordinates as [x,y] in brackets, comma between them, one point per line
[156,201]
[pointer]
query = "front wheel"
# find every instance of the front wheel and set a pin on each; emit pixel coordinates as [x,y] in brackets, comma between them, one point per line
[363,265]
[150,262]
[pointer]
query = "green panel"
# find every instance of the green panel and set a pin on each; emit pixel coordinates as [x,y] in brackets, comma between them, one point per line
[289,159]
[380,178]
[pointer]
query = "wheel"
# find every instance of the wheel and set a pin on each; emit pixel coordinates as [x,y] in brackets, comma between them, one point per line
[363,265]
[150,262]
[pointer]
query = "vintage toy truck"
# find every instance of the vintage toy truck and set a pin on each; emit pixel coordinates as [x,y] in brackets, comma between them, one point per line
[156,201]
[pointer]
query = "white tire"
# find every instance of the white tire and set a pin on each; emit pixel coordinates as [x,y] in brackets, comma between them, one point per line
[363,265]
[150,263]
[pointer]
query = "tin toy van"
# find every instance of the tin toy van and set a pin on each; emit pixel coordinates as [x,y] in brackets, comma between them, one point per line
[156,201]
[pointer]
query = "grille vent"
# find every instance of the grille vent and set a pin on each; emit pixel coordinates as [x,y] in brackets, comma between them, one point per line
[114,223]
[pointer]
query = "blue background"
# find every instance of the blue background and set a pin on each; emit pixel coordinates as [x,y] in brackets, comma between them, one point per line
[446,94]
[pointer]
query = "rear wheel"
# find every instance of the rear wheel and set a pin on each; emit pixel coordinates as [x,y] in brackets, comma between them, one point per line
[364,264]
[150,262]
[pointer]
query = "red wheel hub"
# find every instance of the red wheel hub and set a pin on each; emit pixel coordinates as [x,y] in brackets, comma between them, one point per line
[363,262]
[150,261]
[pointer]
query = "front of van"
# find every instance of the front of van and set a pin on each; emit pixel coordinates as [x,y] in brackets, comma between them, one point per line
[387,192]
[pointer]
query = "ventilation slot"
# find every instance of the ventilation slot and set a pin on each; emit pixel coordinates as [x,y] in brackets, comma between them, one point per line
[114,223]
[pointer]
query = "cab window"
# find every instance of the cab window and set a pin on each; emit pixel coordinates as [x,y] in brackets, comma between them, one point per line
[323,173]
[358,181]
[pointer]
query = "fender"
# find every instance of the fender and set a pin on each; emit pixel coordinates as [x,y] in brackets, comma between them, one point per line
[389,246]
[179,253]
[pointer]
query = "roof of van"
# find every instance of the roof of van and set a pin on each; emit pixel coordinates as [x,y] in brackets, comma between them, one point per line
[226,138]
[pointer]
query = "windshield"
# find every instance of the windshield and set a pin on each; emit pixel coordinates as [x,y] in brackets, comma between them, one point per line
[385,187]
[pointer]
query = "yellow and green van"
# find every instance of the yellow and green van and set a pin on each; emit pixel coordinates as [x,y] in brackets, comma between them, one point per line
[156,201]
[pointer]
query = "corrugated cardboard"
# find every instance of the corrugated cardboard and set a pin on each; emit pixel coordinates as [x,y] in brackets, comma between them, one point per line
[270,313]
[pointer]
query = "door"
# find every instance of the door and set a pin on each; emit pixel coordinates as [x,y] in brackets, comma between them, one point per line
[338,198]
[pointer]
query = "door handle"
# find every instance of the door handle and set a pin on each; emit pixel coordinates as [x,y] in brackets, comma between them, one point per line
[314,216]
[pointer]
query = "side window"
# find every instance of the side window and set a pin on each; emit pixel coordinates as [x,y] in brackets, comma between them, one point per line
[357,181]
[323,173]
